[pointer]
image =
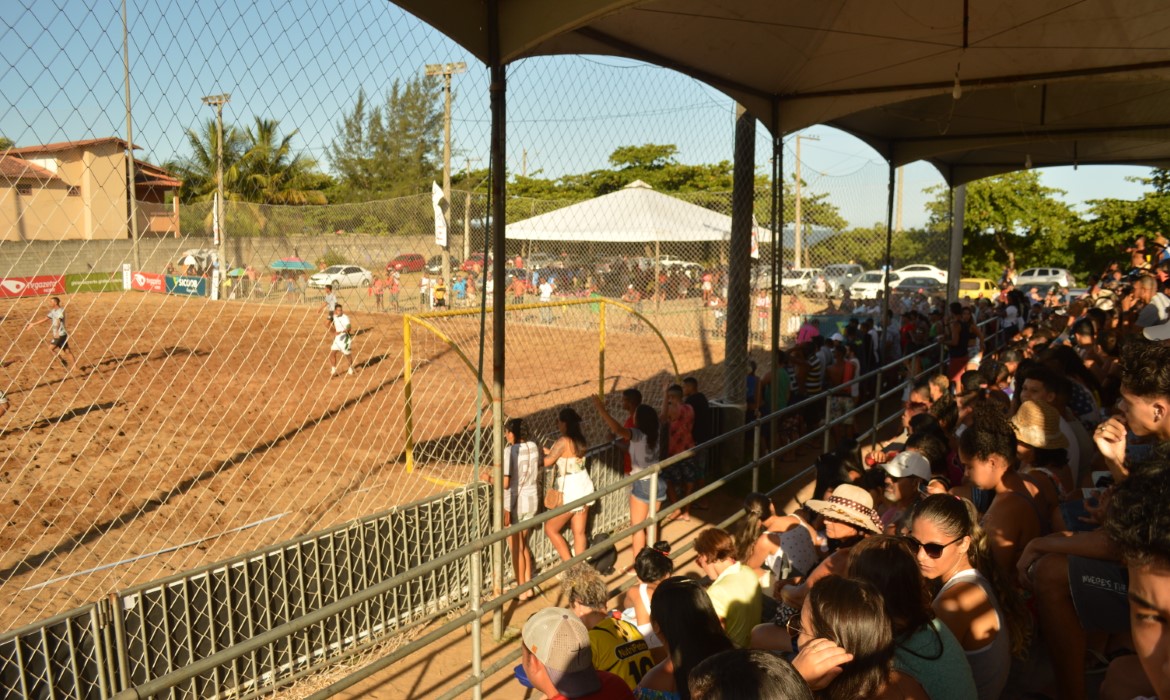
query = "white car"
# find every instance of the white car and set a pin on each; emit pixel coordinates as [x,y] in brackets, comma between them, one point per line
[800,279]
[923,271]
[342,276]
[868,285]
[1035,276]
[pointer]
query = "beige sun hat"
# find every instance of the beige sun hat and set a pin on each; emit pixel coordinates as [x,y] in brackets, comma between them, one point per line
[849,504]
[1038,424]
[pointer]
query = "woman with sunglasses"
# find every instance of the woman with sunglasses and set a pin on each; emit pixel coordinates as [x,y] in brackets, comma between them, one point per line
[924,647]
[976,601]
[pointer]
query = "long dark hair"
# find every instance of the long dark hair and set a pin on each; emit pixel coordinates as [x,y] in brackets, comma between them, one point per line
[888,564]
[572,421]
[653,563]
[681,610]
[957,517]
[757,508]
[852,614]
[646,420]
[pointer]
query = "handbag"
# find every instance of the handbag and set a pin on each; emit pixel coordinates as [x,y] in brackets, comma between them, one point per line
[552,497]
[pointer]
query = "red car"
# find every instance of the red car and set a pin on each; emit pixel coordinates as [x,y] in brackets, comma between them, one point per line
[475,260]
[407,262]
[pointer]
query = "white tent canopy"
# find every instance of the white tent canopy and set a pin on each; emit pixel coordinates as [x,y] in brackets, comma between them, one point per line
[637,213]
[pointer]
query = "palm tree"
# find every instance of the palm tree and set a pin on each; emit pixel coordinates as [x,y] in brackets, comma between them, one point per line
[198,170]
[272,173]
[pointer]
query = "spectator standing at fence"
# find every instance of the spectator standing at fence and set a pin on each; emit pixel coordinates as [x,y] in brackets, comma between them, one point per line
[841,400]
[439,293]
[617,645]
[571,481]
[329,304]
[521,496]
[678,417]
[394,285]
[701,431]
[377,290]
[546,292]
[518,288]
[342,342]
[58,335]
[641,442]
[557,659]
[424,291]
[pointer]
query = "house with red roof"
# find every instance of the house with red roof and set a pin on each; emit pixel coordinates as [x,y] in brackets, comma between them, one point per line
[77,190]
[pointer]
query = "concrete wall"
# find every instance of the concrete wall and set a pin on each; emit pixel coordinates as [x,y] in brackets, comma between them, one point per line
[47,213]
[27,258]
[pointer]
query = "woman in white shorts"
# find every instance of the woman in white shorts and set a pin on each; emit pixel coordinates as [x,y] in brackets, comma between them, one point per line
[522,463]
[567,457]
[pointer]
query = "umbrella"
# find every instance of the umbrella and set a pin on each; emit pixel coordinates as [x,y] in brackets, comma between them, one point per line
[238,272]
[292,264]
[190,260]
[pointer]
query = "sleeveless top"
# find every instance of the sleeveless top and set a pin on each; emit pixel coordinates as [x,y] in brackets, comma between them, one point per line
[631,616]
[990,664]
[934,657]
[961,350]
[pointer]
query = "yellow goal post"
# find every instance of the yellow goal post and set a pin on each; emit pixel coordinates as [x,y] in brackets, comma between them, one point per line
[431,322]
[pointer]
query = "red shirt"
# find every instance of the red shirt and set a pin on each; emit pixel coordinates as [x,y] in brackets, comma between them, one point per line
[682,430]
[612,688]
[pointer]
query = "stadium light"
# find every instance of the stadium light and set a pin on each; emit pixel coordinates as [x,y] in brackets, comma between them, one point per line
[218,101]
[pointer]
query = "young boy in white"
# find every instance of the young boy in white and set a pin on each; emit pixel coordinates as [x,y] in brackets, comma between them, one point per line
[341,341]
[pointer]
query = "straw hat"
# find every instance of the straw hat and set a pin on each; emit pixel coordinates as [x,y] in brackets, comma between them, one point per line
[1038,424]
[849,504]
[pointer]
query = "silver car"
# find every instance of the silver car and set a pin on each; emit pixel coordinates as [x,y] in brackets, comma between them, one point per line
[342,276]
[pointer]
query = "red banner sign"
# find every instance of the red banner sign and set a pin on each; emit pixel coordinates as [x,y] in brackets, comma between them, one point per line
[148,282]
[42,285]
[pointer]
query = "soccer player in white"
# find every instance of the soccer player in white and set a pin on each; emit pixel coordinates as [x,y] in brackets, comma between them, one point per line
[58,336]
[341,341]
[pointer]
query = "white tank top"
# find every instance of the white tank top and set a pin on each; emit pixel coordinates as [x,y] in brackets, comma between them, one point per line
[989,664]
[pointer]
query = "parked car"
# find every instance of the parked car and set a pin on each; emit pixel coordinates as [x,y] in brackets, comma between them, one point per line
[407,262]
[841,276]
[977,288]
[923,271]
[536,260]
[1041,276]
[925,285]
[799,279]
[869,284]
[342,276]
[435,264]
[473,261]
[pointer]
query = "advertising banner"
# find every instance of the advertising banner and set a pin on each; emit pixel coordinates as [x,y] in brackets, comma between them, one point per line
[93,282]
[127,283]
[41,285]
[148,282]
[190,286]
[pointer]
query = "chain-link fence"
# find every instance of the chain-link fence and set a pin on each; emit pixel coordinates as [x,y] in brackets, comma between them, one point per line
[191,415]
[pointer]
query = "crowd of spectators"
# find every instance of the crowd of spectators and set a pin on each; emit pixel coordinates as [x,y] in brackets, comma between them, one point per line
[1012,540]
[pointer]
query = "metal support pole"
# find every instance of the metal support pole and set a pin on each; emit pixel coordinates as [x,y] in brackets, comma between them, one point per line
[408,393]
[755,459]
[498,190]
[222,232]
[131,195]
[601,350]
[882,359]
[777,253]
[958,221]
[739,277]
[826,436]
[652,531]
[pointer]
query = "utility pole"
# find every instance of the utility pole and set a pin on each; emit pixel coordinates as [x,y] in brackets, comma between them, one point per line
[218,101]
[797,220]
[447,70]
[131,195]
[523,162]
[898,208]
[467,217]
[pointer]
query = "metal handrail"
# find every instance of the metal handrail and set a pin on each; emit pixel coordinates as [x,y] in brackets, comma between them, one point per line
[173,678]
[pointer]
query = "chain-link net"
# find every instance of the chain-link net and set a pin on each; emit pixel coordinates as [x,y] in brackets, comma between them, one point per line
[194,416]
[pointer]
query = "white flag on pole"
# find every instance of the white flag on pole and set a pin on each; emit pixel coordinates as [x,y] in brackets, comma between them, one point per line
[440,219]
[755,242]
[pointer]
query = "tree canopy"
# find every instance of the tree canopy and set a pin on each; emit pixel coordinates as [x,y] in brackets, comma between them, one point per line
[393,148]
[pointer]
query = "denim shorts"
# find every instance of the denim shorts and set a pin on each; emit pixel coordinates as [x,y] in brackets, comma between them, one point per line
[641,490]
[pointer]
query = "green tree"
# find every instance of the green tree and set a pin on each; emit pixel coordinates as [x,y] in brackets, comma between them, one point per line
[272,173]
[198,169]
[391,149]
[6,143]
[1011,220]
[1111,225]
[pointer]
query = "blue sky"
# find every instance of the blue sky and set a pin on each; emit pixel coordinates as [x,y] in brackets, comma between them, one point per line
[303,62]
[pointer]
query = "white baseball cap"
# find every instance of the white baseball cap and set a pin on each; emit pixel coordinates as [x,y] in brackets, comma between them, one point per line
[908,463]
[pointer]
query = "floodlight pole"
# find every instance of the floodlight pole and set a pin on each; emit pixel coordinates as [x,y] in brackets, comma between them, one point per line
[799,252]
[218,101]
[447,70]
[130,178]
